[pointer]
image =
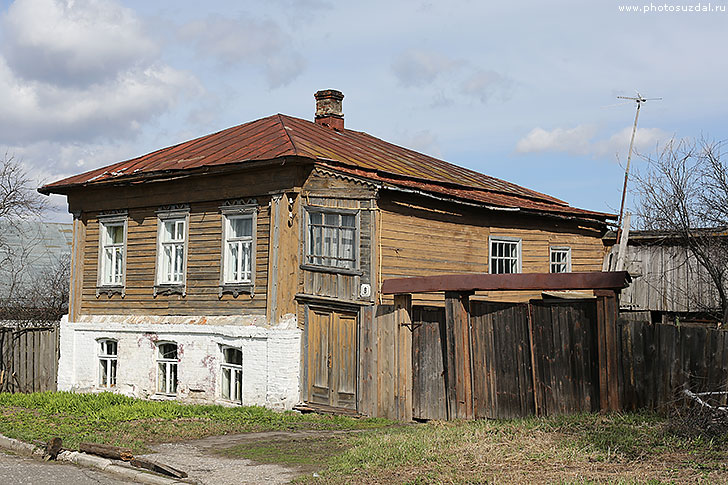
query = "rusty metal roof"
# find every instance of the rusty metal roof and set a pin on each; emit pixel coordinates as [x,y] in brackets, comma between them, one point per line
[279,136]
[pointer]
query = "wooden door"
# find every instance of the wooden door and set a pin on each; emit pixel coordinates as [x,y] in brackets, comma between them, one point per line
[331,338]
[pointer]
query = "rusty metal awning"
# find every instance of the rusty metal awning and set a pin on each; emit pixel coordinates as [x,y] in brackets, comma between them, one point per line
[596,280]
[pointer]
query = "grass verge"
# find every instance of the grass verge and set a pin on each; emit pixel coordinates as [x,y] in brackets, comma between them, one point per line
[135,423]
[587,448]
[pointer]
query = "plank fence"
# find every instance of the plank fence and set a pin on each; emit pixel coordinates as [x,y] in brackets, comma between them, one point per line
[543,358]
[28,359]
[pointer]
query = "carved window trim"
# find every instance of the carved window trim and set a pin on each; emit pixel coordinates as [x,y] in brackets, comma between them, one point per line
[104,219]
[165,214]
[231,209]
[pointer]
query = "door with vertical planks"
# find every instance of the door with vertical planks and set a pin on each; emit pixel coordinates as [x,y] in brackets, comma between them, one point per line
[331,338]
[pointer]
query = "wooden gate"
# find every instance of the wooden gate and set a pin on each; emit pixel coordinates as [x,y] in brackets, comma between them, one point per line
[330,352]
[524,359]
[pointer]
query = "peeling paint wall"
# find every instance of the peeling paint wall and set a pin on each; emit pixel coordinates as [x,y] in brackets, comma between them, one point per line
[271,359]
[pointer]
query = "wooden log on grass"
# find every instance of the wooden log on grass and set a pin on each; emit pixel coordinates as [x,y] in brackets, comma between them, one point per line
[107,451]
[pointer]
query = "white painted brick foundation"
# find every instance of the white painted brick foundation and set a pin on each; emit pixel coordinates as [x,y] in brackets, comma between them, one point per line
[271,358]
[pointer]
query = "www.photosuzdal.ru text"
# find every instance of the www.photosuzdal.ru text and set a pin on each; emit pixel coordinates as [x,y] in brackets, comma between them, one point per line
[661,8]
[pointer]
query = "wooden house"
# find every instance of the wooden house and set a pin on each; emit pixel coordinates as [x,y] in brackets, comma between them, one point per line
[246,266]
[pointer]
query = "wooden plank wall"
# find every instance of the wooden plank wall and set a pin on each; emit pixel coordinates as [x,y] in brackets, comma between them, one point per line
[502,372]
[429,399]
[28,359]
[326,189]
[512,346]
[667,278]
[203,267]
[426,239]
[385,368]
[566,358]
[659,360]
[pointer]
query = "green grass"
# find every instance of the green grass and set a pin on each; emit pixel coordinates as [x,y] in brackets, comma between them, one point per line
[124,421]
[586,448]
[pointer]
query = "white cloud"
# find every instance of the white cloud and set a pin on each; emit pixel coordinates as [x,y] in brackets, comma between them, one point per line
[80,70]
[72,42]
[580,141]
[572,140]
[420,68]
[244,40]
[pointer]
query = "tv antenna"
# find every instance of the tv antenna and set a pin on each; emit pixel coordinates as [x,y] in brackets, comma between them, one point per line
[639,99]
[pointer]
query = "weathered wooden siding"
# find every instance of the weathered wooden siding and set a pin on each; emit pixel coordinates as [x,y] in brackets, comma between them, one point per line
[203,267]
[427,239]
[323,189]
[385,362]
[658,361]
[667,278]
[28,359]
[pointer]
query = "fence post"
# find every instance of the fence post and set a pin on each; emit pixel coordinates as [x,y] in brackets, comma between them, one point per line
[607,313]
[458,362]
[403,312]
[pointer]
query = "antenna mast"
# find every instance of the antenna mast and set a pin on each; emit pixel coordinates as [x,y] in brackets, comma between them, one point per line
[639,99]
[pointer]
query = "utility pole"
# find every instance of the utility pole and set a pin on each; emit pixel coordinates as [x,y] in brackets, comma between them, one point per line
[639,99]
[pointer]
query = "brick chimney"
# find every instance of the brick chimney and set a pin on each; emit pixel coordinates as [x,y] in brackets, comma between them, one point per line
[328,108]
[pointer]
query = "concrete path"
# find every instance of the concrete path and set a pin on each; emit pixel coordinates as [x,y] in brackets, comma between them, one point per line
[22,470]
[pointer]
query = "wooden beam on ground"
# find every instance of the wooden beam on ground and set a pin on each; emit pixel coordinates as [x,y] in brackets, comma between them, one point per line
[107,451]
[595,280]
[158,467]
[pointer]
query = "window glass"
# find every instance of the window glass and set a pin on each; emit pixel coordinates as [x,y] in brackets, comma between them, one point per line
[107,363]
[504,256]
[232,374]
[167,368]
[332,239]
[172,251]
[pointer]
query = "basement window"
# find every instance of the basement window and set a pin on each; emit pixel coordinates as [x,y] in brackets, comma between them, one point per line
[560,260]
[332,239]
[505,255]
[232,374]
[167,362]
[108,353]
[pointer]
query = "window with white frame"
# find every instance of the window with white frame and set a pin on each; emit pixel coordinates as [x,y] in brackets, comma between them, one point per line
[171,263]
[167,362]
[112,242]
[560,260]
[505,255]
[232,374]
[332,239]
[238,262]
[108,356]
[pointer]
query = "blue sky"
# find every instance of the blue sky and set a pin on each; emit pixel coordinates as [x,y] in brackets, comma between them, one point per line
[520,90]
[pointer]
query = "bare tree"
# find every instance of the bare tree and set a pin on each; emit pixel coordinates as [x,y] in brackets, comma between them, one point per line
[29,291]
[18,197]
[684,191]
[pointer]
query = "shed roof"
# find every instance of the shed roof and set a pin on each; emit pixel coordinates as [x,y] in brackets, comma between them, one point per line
[280,135]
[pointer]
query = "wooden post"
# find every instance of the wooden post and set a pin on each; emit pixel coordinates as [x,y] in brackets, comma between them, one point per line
[607,313]
[534,363]
[77,255]
[403,310]
[458,362]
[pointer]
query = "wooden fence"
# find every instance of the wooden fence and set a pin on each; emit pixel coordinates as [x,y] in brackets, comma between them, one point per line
[28,359]
[511,347]
[659,360]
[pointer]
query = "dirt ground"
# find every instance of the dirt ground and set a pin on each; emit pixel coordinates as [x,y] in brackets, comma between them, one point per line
[207,462]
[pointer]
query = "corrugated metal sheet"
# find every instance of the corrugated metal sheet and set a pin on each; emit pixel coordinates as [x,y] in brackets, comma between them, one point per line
[280,136]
